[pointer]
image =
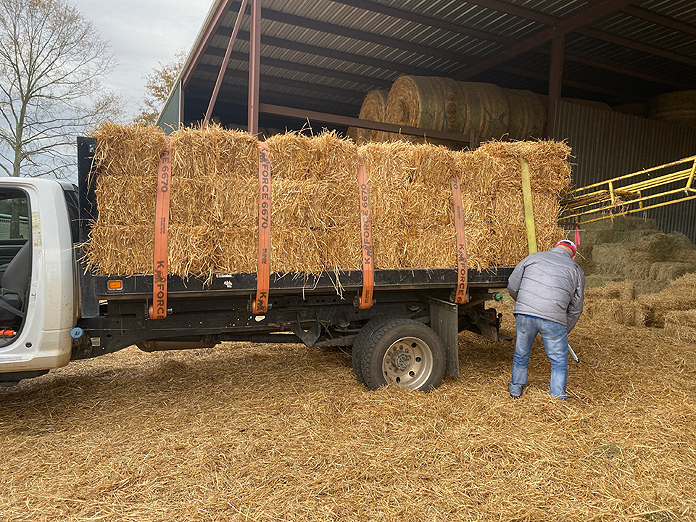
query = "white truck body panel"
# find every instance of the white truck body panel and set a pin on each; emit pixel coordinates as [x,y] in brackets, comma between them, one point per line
[44,342]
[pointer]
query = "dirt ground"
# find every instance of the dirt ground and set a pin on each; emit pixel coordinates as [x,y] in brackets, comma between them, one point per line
[253,432]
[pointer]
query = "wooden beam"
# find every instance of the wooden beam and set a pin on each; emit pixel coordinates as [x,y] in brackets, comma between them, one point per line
[515,10]
[254,67]
[337,55]
[627,72]
[299,67]
[572,24]
[356,122]
[658,19]
[430,21]
[529,14]
[359,59]
[576,85]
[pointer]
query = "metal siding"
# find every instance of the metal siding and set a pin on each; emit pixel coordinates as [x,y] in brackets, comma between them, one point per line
[607,144]
[169,120]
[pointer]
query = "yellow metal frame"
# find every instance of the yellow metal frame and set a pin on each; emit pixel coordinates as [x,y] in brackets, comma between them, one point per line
[630,193]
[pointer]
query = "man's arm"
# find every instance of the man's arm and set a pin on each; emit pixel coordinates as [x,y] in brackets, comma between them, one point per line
[515,280]
[575,306]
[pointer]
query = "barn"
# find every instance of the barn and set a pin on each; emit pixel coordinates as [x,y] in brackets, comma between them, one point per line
[616,78]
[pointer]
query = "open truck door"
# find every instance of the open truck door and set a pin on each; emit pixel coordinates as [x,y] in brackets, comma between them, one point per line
[38,307]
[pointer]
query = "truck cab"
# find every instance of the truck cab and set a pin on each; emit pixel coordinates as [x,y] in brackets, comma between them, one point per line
[38,281]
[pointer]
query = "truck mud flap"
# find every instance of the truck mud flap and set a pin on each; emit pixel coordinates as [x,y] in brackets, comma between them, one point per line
[444,320]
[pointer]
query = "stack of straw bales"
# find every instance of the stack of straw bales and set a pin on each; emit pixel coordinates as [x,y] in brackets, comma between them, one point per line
[673,308]
[315,220]
[679,298]
[493,196]
[616,303]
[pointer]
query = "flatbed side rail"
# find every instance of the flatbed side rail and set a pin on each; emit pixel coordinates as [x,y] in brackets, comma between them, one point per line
[340,283]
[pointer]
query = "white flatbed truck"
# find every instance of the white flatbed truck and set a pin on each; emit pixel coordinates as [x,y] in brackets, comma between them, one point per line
[53,310]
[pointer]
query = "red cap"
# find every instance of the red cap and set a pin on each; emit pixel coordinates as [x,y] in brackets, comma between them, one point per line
[568,243]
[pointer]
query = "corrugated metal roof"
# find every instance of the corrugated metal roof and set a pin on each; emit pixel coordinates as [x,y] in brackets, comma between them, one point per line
[312,46]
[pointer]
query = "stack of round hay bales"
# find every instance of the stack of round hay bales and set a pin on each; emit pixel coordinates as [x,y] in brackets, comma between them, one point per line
[675,107]
[481,110]
[373,108]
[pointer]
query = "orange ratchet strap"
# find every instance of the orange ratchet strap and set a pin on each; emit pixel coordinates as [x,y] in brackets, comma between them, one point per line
[462,270]
[365,297]
[158,308]
[263,271]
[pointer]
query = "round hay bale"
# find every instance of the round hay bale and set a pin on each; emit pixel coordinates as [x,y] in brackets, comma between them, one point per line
[527,114]
[373,108]
[633,109]
[676,107]
[419,101]
[488,111]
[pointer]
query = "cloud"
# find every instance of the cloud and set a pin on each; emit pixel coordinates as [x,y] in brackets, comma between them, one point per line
[142,34]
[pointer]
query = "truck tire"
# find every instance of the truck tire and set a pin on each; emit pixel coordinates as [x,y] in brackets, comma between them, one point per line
[361,341]
[405,352]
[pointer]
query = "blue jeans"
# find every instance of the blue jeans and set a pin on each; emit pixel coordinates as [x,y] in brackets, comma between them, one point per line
[555,338]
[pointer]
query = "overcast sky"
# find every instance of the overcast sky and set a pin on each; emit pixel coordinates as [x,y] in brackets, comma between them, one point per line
[142,34]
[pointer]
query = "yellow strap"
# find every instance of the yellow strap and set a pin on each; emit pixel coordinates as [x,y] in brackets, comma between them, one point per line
[528,207]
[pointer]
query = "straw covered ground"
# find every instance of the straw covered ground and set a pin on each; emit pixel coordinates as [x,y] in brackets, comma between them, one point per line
[315,220]
[282,432]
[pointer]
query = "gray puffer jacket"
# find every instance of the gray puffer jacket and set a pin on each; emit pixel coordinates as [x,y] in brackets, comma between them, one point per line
[549,285]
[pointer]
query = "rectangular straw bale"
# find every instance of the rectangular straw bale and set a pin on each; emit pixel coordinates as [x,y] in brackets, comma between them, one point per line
[315,219]
[623,290]
[509,229]
[411,198]
[214,175]
[681,325]
[128,150]
[121,249]
[497,166]
[628,313]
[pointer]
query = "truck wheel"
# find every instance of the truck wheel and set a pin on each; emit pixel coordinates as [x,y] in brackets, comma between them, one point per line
[363,338]
[405,352]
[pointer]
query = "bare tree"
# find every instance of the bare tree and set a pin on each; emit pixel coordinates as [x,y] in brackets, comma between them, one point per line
[52,63]
[159,85]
